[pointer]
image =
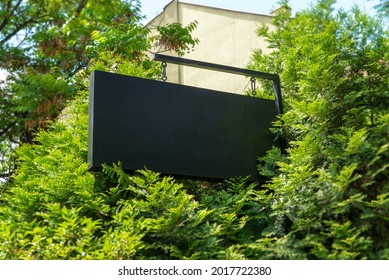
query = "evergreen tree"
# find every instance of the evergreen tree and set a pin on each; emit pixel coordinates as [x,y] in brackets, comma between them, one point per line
[330,194]
[326,199]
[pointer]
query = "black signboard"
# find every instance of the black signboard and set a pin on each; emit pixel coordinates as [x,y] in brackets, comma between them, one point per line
[176,129]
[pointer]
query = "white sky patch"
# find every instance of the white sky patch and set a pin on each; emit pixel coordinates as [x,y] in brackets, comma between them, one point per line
[3,74]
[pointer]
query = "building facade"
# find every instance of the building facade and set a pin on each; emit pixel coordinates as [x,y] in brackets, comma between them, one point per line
[226,37]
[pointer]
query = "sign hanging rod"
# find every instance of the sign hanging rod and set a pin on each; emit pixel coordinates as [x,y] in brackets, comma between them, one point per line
[215,67]
[228,69]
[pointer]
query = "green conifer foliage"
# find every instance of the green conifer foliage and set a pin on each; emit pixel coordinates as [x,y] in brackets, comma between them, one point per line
[56,209]
[327,198]
[330,193]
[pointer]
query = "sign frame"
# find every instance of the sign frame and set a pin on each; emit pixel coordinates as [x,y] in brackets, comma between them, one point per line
[157,142]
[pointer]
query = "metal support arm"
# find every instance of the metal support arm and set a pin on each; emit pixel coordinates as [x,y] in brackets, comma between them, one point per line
[228,69]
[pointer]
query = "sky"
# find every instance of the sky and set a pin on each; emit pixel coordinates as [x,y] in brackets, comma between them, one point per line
[151,8]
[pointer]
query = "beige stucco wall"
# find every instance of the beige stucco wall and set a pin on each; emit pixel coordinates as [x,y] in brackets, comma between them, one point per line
[226,37]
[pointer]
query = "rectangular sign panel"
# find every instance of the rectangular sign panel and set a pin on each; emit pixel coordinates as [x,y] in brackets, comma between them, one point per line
[175,129]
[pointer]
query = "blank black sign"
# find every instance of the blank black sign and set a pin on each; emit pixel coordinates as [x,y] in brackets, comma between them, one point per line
[175,129]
